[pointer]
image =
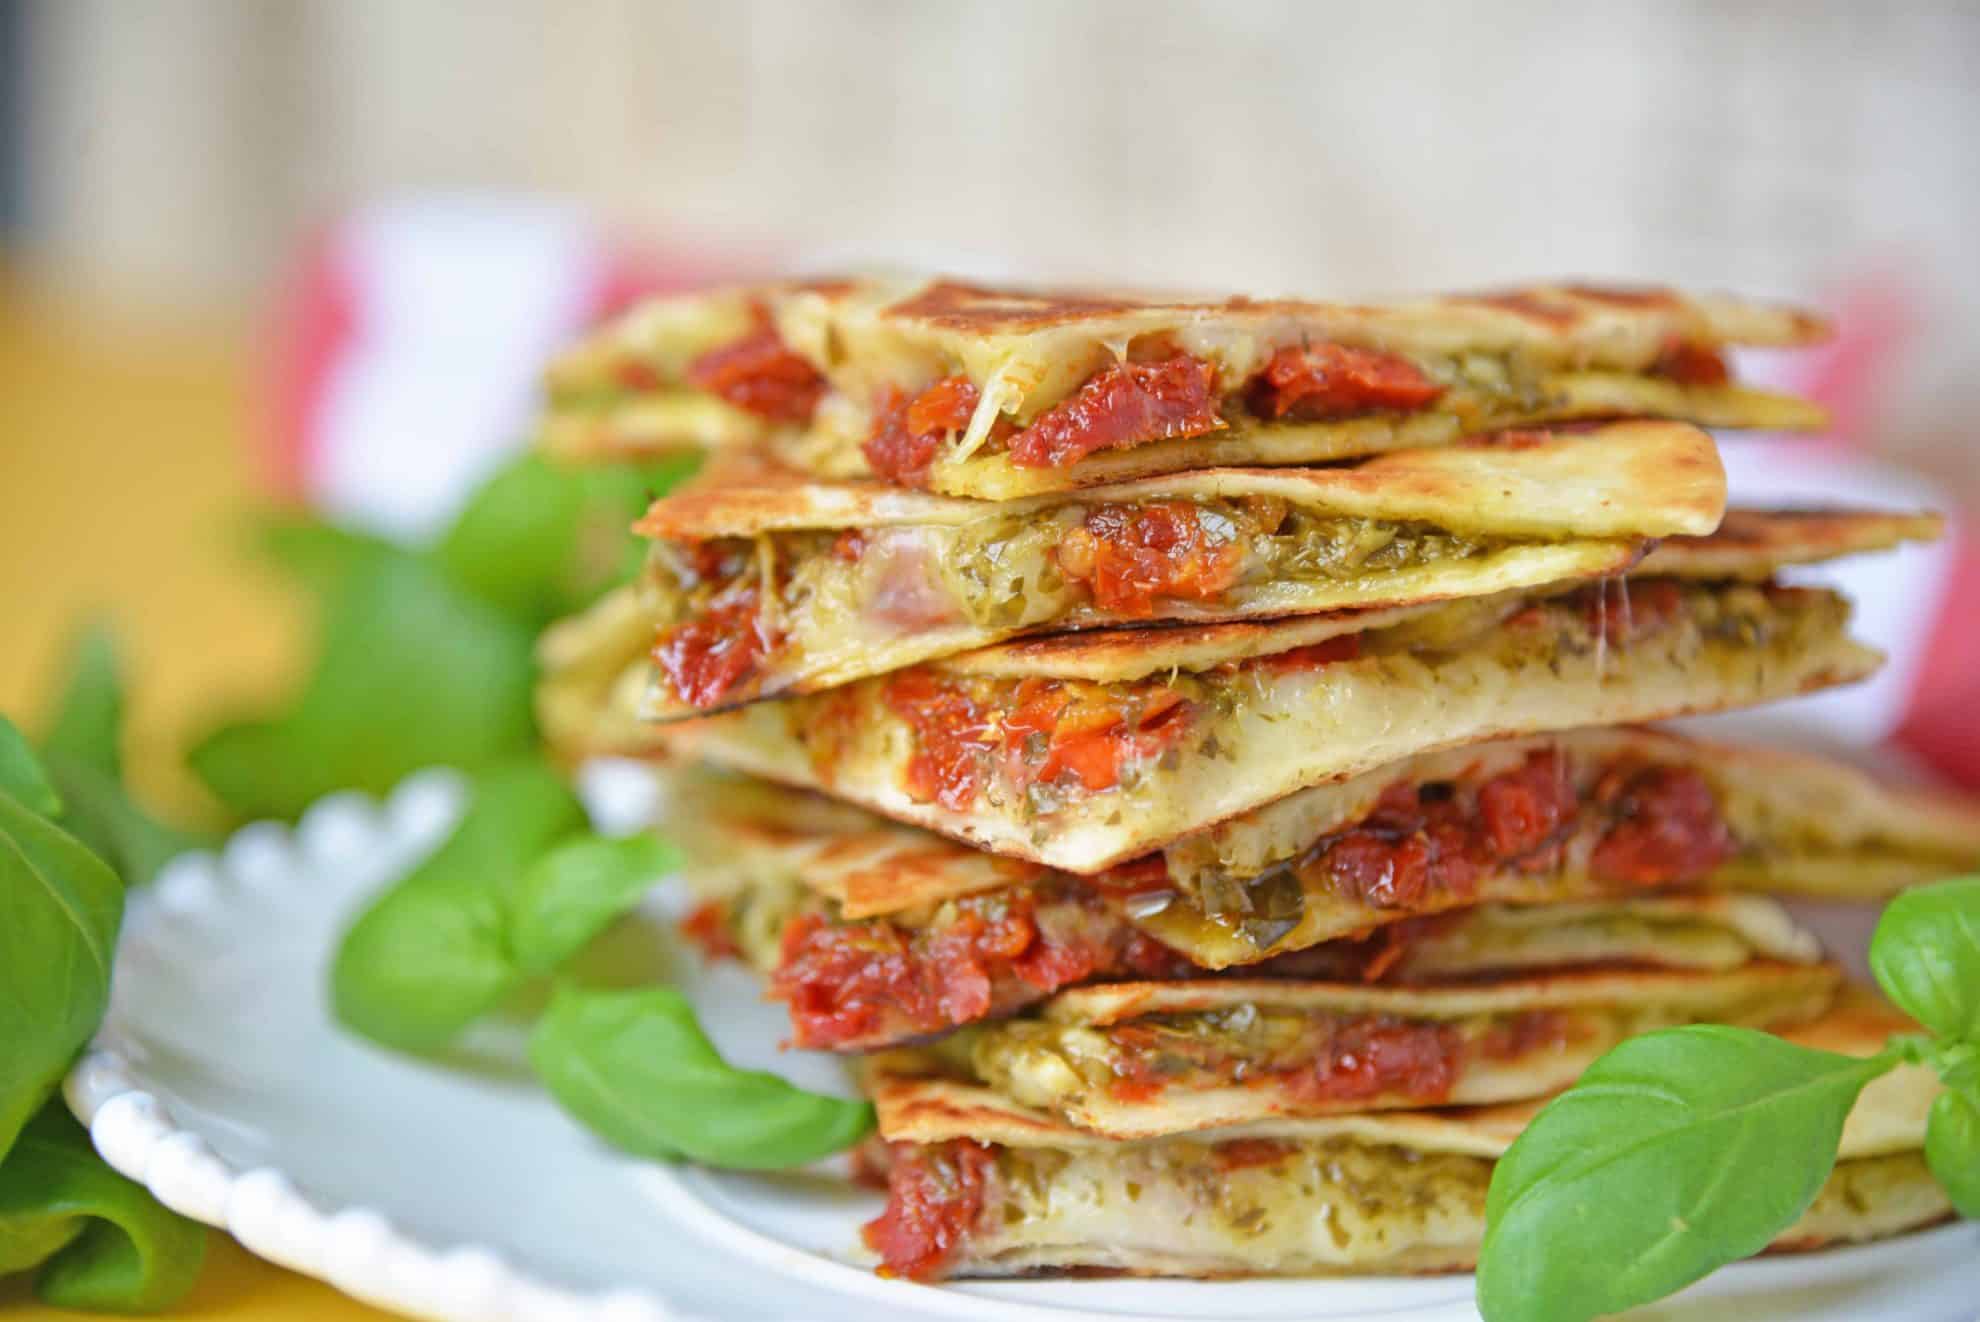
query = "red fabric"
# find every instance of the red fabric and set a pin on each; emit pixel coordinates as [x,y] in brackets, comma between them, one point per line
[1942,725]
[315,324]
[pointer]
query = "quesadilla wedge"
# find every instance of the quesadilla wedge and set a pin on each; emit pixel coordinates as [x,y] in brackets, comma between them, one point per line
[596,670]
[685,372]
[998,394]
[1551,851]
[979,1186]
[1142,1059]
[1539,820]
[1750,544]
[862,984]
[762,582]
[1082,751]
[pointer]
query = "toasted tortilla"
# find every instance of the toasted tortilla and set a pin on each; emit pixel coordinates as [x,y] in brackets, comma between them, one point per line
[1142,1060]
[622,391]
[596,669]
[1255,887]
[739,832]
[1376,1192]
[1794,823]
[918,1101]
[626,390]
[1622,479]
[1258,730]
[1512,359]
[1752,544]
[855,579]
[876,935]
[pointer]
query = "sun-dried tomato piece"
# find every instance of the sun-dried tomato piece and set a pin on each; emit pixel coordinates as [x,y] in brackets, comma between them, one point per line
[1380,1056]
[1669,829]
[1692,364]
[707,927]
[907,432]
[1345,647]
[1131,556]
[708,656]
[1123,404]
[759,374]
[952,738]
[935,1196]
[1314,382]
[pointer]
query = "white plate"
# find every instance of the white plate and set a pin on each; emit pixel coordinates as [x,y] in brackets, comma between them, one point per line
[460,1191]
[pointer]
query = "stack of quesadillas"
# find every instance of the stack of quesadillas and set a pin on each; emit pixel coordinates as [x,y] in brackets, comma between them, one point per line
[1195,751]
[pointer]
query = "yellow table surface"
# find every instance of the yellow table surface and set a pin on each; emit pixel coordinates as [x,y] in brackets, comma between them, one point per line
[124,472]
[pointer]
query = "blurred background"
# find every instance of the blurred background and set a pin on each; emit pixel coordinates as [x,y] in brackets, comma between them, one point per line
[319,246]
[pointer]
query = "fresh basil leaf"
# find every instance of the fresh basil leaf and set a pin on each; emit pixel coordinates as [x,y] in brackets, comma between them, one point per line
[102,1242]
[539,541]
[1958,1065]
[636,1068]
[1952,1149]
[322,557]
[84,760]
[60,908]
[1677,1152]
[431,954]
[412,672]
[103,816]
[1926,955]
[575,891]
[89,720]
[22,775]
[259,768]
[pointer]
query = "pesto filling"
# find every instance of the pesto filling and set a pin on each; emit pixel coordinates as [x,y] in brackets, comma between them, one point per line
[1007,572]
[1288,1207]
[1035,1060]
[1480,390]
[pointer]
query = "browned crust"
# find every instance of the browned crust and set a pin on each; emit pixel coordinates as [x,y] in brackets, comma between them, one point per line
[1559,311]
[1755,541]
[1113,1003]
[1621,479]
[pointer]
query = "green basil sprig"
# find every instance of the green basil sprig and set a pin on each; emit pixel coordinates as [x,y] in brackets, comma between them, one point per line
[1926,955]
[102,1243]
[519,888]
[94,1239]
[636,1068]
[1683,1150]
[513,895]
[1952,1149]
[577,890]
[62,906]
[21,773]
[83,752]
[424,655]
[432,954]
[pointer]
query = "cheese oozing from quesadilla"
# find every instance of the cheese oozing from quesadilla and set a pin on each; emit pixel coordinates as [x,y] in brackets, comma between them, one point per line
[762,582]
[979,1186]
